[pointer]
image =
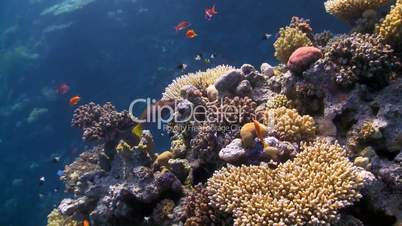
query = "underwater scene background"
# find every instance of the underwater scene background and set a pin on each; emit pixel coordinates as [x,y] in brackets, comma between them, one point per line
[117,51]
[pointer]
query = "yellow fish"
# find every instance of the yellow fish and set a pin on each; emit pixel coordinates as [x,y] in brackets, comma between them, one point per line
[137,130]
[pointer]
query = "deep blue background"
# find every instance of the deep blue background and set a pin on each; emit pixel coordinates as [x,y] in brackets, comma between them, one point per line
[115,59]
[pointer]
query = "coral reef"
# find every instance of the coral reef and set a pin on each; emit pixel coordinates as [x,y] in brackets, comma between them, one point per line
[288,41]
[361,58]
[391,27]
[350,10]
[328,150]
[289,194]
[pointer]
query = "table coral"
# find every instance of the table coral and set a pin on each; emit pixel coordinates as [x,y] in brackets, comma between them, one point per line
[391,27]
[361,58]
[349,10]
[200,80]
[287,124]
[288,41]
[291,194]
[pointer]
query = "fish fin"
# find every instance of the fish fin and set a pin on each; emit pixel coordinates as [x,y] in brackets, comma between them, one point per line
[137,130]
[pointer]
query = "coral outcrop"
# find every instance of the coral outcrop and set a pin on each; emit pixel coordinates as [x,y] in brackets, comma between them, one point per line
[291,194]
[327,150]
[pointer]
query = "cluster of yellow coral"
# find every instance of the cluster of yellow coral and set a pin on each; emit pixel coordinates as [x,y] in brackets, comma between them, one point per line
[391,27]
[287,124]
[201,80]
[56,219]
[348,10]
[306,191]
[279,101]
[288,41]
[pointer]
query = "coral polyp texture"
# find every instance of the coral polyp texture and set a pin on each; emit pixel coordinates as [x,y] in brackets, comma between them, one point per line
[101,122]
[288,41]
[348,10]
[391,27]
[287,124]
[361,58]
[200,80]
[291,194]
[55,218]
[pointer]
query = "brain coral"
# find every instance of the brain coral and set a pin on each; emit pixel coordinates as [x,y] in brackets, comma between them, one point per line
[391,27]
[287,124]
[306,191]
[348,10]
[288,41]
[56,219]
[200,80]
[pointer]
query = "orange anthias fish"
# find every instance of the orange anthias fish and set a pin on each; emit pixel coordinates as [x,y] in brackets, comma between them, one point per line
[74,100]
[182,25]
[260,132]
[191,34]
[85,223]
[210,12]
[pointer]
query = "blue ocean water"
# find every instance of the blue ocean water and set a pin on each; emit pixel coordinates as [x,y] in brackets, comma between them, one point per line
[108,50]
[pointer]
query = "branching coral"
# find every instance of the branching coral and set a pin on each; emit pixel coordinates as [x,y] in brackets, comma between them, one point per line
[101,122]
[391,27]
[287,124]
[288,41]
[303,25]
[200,80]
[349,10]
[306,191]
[279,101]
[55,218]
[361,58]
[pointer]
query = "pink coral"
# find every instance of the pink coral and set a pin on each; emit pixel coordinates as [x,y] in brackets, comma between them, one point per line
[303,57]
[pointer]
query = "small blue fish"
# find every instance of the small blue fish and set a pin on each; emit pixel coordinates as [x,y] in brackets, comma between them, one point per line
[60,173]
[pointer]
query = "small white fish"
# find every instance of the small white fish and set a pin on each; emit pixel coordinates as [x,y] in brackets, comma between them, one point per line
[267,36]
[198,57]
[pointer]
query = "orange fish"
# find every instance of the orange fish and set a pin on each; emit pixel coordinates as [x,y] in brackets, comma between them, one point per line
[182,25]
[259,132]
[191,34]
[210,12]
[85,223]
[74,100]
